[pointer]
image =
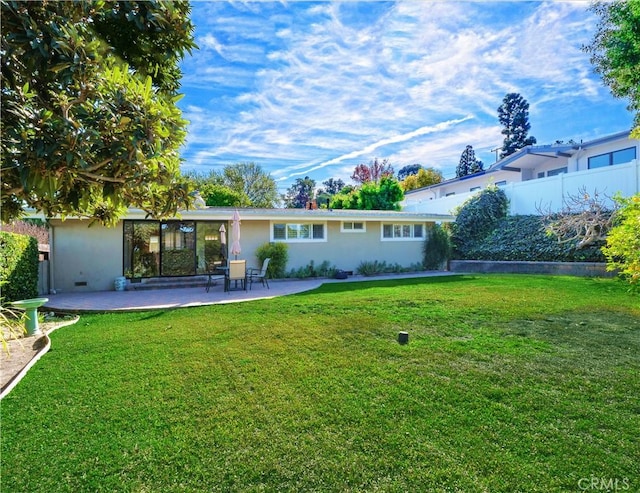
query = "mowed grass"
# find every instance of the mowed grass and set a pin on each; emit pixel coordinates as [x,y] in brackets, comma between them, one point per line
[508,383]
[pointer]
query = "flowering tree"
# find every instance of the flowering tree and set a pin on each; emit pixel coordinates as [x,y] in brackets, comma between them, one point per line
[372,172]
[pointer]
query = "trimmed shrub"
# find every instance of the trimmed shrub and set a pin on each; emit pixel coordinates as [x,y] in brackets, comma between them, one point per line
[279,254]
[18,266]
[476,219]
[622,250]
[437,248]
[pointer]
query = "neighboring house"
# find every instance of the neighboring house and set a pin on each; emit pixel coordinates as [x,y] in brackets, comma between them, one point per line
[87,258]
[541,177]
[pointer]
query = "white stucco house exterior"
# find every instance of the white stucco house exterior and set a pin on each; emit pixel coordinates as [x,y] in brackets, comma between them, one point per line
[90,258]
[541,177]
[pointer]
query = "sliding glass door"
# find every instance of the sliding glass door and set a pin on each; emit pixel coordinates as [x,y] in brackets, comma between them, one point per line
[178,251]
[172,248]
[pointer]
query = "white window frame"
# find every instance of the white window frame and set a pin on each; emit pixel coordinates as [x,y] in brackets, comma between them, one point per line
[290,226]
[401,229]
[345,229]
[610,158]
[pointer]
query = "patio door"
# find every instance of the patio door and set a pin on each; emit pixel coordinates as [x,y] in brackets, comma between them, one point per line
[178,252]
[211,245]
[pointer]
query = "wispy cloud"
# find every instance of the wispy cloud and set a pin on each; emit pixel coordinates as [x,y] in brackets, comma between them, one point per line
[370,149]
[314,88]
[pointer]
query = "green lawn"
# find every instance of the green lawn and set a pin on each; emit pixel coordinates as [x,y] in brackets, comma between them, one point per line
[509,383]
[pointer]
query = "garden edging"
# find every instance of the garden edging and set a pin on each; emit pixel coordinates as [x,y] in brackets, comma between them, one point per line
[41,352]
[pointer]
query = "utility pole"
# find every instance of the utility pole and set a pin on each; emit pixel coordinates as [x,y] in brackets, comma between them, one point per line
[496,150]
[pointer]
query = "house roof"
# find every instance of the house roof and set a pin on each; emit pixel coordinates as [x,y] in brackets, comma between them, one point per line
[225,213]
[530,156]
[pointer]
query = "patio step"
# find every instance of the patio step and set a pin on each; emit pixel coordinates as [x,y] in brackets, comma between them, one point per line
[168,283]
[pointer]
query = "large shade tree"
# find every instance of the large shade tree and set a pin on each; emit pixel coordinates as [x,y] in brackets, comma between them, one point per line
[615,51]
[90,124]
[250,180]
[513,115]
[240,184]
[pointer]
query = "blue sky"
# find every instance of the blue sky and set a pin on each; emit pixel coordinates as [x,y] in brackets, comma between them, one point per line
[315,88]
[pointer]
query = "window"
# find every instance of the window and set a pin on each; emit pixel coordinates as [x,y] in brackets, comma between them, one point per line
[474,189]
[353,227]
[501,183]
[623,156]
[402,231]
[450,194]
[298,232]
[557,171]
[611,158]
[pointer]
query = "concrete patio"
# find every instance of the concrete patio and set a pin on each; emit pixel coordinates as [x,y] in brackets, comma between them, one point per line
[106,301]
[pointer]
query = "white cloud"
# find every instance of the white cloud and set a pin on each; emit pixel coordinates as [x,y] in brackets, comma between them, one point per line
[316,87]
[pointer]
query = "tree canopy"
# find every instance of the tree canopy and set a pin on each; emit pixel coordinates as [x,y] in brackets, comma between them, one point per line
[300,193]
[615,51]
[384,195]
[468,164]
[373,171]
[331,187]
[240,184]
[513,114]
[90,124]
[424,178]
[411,169]
[252,181]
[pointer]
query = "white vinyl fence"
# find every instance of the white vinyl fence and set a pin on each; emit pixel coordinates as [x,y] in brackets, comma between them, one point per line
[549,194]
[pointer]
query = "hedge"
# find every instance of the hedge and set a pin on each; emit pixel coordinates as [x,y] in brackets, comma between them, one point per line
[524,238]
[18,266]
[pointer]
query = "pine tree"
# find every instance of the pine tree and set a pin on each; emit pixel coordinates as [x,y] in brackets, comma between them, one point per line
[468,164]
[513,114]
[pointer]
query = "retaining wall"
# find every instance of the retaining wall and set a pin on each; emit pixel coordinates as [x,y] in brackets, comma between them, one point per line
[583,269]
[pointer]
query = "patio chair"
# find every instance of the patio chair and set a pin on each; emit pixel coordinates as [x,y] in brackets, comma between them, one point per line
[215,271]
[259,274]
[237,272]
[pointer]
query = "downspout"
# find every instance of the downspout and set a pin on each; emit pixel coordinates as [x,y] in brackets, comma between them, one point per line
[51,271]
[580,149]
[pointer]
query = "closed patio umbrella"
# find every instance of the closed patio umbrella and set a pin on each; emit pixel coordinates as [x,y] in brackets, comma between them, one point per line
[235,235]
[223,241]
